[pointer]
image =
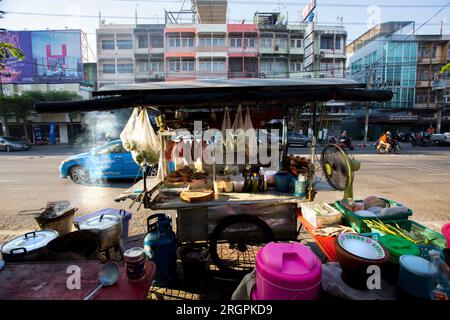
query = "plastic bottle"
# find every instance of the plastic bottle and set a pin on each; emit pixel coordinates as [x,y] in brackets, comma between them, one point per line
[255,183]
[262,180]
[441,277]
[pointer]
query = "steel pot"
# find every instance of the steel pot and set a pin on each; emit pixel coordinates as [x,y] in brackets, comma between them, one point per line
[31,246]
[108,226]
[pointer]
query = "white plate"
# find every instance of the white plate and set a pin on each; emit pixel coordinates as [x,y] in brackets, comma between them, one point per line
[363,247]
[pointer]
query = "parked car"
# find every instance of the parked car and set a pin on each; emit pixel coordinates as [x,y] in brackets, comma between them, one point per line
[441,139]
[13,144]
[109,161]
[296,138]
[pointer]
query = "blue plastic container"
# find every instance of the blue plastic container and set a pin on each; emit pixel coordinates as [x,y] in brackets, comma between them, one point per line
[415,276]
[283,182]
[126,217]
[160,245]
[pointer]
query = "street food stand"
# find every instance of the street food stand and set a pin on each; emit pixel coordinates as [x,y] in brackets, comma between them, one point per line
[272,213]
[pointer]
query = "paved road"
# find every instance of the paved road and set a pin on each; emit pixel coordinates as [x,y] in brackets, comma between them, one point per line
[420,179]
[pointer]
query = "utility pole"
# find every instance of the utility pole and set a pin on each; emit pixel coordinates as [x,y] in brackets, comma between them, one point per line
[367,109]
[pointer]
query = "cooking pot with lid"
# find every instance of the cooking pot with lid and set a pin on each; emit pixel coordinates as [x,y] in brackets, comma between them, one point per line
[108,226]
[31,246]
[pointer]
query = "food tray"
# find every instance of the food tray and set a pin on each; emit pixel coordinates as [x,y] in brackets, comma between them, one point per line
[356,222]
[332,217]
[438,240]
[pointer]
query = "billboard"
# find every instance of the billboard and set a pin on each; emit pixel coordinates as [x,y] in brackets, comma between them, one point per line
[50,57]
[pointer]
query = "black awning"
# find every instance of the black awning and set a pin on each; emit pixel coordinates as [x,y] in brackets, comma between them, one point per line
[194,94]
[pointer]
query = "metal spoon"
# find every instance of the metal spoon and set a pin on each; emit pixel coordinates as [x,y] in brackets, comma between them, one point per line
[108,275]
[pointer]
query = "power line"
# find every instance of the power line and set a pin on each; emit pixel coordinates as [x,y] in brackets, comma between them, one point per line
[159,18]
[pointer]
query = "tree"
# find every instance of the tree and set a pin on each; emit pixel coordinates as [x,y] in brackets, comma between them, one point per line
[21,106]
[8,50]
[445,68]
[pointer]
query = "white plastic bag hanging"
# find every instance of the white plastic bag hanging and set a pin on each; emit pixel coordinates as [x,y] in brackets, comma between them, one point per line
[142,140]
[227,136]
[252,142]
[239,130]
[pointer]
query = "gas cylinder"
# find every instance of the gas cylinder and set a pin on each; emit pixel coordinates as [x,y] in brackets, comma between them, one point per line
[160,245]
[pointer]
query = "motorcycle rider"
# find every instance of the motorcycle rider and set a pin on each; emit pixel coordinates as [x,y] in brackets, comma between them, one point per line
[345,139]
[385,141]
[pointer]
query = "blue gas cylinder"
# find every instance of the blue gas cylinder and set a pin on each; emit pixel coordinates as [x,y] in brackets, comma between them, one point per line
[160,244]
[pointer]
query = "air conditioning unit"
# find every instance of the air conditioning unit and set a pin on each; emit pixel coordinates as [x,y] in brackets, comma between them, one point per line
[277,47]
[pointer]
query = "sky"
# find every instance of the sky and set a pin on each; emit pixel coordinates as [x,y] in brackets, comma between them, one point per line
[357,16]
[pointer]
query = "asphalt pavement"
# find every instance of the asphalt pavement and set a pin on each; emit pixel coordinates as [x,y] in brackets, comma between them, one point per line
[419,179]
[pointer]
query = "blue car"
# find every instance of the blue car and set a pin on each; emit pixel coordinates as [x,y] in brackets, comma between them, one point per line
[109,161]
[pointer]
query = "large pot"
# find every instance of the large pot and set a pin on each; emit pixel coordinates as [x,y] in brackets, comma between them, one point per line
[31,246]
[77,245]
[108,226]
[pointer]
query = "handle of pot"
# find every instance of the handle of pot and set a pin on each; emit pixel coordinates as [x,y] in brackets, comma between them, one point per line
[77,225]
[122,213]
[33,233]
[24,251]
[150,226]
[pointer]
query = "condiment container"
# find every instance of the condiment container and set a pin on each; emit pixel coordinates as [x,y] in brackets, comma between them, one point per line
[228,186]
[135,263]
[416,276]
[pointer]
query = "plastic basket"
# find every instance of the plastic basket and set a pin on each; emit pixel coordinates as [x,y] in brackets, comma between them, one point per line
[438,240]
[356,222]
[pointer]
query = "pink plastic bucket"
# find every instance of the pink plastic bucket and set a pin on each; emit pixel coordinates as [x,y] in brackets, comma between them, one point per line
[287,271]
[446,232]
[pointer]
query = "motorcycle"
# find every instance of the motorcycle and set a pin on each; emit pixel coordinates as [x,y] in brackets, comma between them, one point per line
[420,142]
[346,144]
[395,148]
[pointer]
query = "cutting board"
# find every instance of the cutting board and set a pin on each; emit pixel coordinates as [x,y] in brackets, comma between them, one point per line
[196,196]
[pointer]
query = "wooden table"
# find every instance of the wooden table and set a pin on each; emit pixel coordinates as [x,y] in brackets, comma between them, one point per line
[326,244]
[48,281]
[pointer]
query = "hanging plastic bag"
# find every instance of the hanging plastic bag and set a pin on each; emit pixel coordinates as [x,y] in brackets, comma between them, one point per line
[239,131]
[252,142]
[128,132]
[227,135]
[141,139]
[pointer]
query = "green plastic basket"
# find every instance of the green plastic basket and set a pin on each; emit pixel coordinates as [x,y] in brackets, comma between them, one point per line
[356,222]
[438,240]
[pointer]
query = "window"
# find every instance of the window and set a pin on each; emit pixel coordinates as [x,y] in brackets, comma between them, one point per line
[184,65]
[174,42]
[434,51]
[156,66]
[187,42]
[205,65]
[124,44]
[296,43]
[142,42]
[205,42]
[266,43]
[281,43]
[296,67]
[236,42]
[156,41]
[142,66]
[125,68]
[326,43]
[218,42]
[249,43]
[108,45]
[109,68]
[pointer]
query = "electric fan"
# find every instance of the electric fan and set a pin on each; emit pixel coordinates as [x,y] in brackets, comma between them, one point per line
[339,169]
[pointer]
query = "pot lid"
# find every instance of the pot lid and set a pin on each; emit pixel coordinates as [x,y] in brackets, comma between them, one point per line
[398,246]
[103,222]
[30,241]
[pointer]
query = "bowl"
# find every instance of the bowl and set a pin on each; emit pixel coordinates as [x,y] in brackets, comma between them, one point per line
[238,186]
[355,253]
[362,247]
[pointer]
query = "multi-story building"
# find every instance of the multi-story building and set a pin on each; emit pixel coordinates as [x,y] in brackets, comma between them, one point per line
[212,51]
[391,56]
[115,54]
[243,48]
[149,52]
[273,45]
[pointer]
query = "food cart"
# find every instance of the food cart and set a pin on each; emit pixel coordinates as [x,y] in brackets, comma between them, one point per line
[234,224]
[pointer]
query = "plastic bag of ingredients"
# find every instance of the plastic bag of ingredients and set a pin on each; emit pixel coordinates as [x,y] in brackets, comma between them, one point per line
[142,140]
[239,129]
[252,142]
[227,137]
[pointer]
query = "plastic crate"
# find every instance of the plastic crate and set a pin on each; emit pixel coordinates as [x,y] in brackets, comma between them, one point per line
[356,222]
[438,240]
